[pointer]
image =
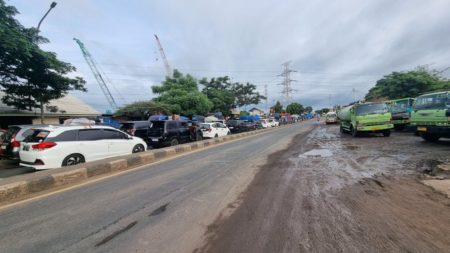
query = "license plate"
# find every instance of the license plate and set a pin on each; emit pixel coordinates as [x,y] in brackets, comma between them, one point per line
[154,139]
[4,146]
[230,127]
[422,129]
[26,148]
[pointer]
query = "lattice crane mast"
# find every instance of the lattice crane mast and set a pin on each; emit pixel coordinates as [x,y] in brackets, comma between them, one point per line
[101,81]
[163,56]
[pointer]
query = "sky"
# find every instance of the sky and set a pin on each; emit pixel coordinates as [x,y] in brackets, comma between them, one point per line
[339,49]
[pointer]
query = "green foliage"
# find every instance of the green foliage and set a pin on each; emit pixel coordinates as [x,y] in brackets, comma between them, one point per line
[181,92]
[29,76]
[278,107]
[226,95]
[407,84]
[244,113]
[142,109]
[324,110]
[219,93]
[245,94]
[295,108]
[308,109]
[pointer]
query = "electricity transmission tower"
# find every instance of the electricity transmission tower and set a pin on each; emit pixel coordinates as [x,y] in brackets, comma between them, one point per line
[287,90]
[97,75]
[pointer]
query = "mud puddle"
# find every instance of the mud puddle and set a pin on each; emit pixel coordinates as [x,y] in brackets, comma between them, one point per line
[334,193]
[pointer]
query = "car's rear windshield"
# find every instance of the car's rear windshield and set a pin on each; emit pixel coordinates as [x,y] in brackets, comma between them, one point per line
[125,126]
[205,126]
[233,122]
[38,135]
[158,124]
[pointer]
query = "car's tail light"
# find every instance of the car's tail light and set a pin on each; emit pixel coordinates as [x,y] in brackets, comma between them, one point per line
[14,142]
[209,129]
[43,145]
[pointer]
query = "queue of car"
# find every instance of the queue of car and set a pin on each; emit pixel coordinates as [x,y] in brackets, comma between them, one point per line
[53,146]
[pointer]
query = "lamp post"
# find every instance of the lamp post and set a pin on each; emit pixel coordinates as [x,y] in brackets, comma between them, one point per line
[52,5]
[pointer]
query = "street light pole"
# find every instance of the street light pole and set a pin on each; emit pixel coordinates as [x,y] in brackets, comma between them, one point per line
[52,5]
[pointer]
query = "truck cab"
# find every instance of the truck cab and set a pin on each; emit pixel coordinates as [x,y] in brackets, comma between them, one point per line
[366,117]
[431,116]
[400,110]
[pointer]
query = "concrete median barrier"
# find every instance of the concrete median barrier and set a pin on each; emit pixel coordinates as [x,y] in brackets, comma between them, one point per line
[21,187]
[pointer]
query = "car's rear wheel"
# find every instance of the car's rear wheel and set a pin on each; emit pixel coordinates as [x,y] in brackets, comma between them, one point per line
[229,133]
[216,136]
[138,148]
[174,142]
[73,159]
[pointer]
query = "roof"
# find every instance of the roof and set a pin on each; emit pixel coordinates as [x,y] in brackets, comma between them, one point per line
[65,106]
[255,109]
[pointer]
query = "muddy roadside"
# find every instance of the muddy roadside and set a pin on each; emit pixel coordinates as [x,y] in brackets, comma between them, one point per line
[329,192]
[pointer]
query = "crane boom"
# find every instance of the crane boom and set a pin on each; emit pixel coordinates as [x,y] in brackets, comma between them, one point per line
[97,75]
[163,56]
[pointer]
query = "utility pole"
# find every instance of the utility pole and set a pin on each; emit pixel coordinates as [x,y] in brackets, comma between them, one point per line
[267,96]
[354,94]
[287,81]
[329,101]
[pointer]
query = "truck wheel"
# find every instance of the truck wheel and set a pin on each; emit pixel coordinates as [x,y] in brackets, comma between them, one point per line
[354,131]
[341,129]
[386,133]
[174,142]
[430,137]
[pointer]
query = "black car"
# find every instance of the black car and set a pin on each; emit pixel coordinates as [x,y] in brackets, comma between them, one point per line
[248,125]
[10,141]
[235,126]
[137,128]
[169,133]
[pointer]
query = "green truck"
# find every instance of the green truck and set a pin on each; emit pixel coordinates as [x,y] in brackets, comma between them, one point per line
[366,117]
[431,116]
[400,110]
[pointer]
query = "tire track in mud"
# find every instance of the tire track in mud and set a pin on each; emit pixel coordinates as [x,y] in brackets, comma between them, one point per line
[353,201]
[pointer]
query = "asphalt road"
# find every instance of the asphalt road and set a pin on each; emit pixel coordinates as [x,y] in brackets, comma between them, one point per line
[9,168]
[165,207]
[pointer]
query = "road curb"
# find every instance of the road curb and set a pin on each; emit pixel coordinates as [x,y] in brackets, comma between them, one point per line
[21,187]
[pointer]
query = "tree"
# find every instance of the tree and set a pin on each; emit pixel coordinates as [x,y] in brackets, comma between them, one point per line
[324,110]
[181,92]
[226,95]
[278,107]
[29,76]
[308,109]
[219,93]
[245,94]
[142,109]
[407,84]
[295,108]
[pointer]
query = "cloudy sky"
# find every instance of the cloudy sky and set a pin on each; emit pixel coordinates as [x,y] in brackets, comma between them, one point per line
[335,46]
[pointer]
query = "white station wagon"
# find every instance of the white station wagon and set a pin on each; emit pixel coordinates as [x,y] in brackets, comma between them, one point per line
[214,130]
[57,146]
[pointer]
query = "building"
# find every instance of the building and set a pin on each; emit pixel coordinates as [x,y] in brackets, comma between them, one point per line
[256,111]
[54,113]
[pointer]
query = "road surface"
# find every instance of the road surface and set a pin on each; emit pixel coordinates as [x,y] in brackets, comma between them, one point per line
[304,188]
[160,208]
[334,193]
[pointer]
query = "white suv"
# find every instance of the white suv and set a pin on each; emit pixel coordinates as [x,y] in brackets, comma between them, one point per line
[54,147]
[214,130]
